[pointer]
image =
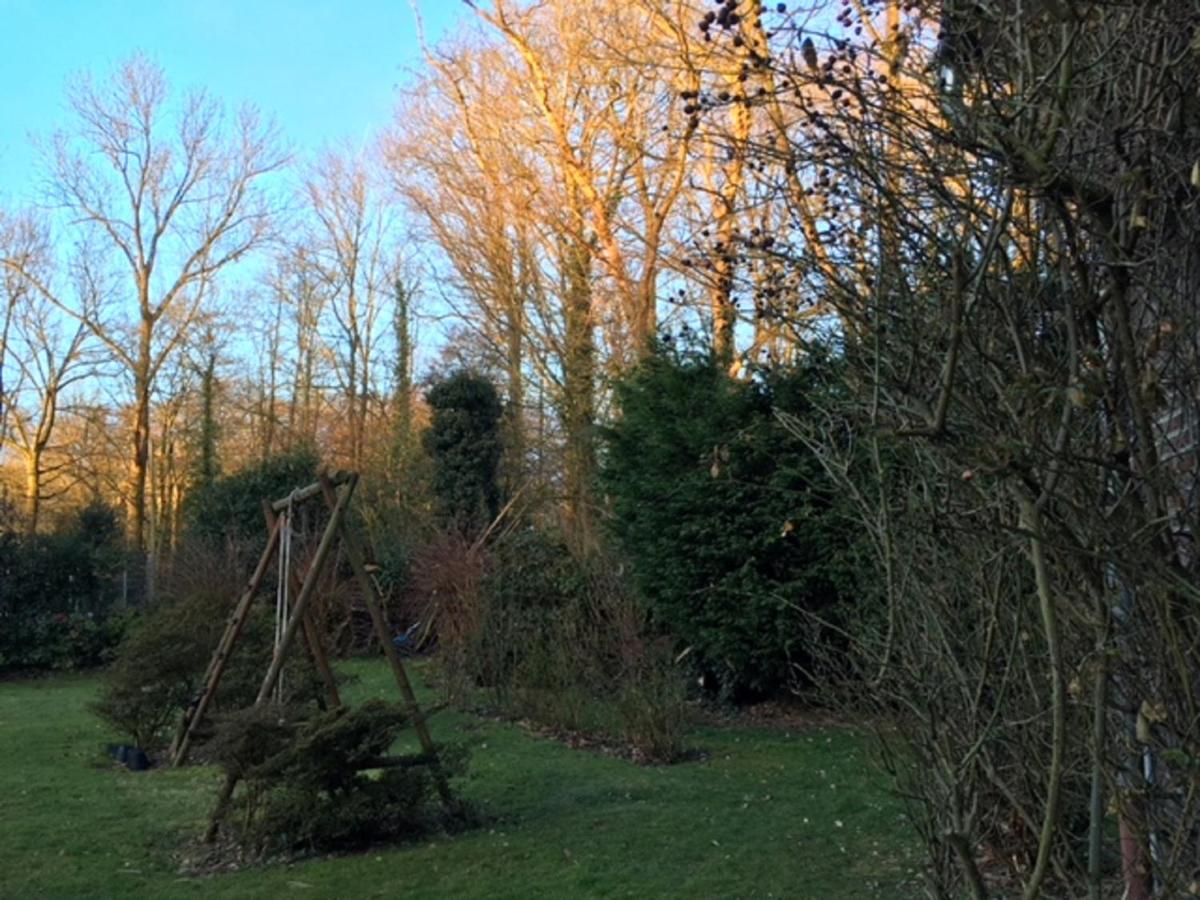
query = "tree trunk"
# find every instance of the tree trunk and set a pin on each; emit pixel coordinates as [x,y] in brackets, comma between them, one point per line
[724,253]
[33,489]
[514,413]
[403,429]
[579,373]
[140,438]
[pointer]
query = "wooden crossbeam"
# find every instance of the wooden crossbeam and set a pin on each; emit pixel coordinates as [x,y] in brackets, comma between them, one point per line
[312,490]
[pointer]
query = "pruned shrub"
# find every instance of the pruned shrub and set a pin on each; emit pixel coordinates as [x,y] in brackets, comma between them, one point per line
[497,609]
[552,639]
[652,705]
[650,687]
[531,639]
[556,681]
[593,665]
[446,598]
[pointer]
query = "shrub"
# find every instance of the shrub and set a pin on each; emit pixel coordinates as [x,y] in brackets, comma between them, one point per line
[323,782]
[591,665]
[733,533]
[156,674]
[552,639]
[230,507]
[529,588]
[493,606]
[652,705]
[58,593]
[160,665]
[446,597]
[463,440]
[556,681]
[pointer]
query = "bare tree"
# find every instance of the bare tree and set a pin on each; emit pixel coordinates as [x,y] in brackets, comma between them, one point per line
[601,117]
[16,236]
[290,337]
[998,202]
[174,195]
[51,355]
[548,160]
[48,352]
[471,188]
[353,247]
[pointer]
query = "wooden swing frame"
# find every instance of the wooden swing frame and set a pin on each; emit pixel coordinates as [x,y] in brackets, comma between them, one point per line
[336,490]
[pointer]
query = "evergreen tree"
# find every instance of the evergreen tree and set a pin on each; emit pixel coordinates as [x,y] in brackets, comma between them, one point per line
[464,441]
[731,530]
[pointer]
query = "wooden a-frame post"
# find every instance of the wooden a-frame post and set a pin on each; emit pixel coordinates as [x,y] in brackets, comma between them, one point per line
[241,613]
[337,492]
[374,605]
[216,666]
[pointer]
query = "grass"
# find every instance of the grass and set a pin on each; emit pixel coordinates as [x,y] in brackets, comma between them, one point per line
[767,813]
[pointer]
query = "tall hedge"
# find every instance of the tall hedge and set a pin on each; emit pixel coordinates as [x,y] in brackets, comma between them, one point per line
[731,530]
[463,441]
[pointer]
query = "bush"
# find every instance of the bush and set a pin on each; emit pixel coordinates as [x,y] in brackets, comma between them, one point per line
[160,666]
[733,533]
[493,606]
[530,586]
[551,639]
[591,665]
[62,641]
[58,593]
[156,674]
[323,782]
[230,508]
[447,599]
[652,705]
[556,682]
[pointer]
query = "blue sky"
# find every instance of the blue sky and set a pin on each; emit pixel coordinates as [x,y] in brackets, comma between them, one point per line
[326,70]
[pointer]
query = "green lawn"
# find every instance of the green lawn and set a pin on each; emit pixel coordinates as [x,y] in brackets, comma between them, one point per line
[765,814]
